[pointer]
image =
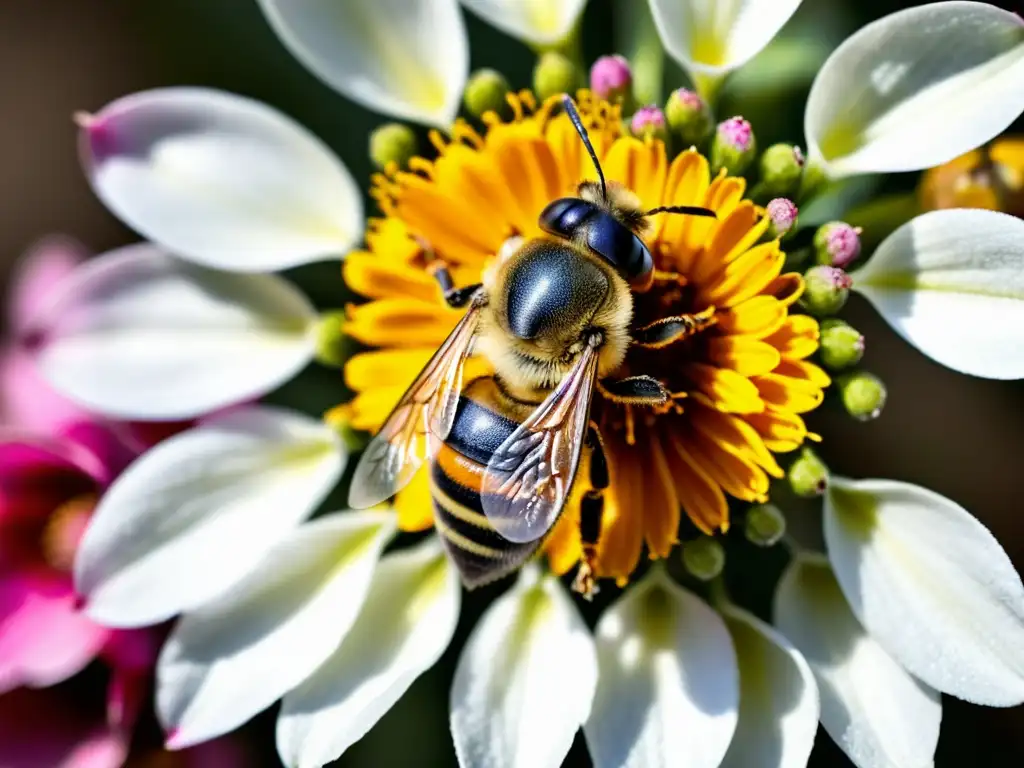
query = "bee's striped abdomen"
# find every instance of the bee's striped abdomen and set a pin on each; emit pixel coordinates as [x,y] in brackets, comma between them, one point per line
[480,553]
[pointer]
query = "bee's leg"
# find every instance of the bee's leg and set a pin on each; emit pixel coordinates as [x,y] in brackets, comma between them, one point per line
[455,297]
[634,390]
[673,329]
[591,511]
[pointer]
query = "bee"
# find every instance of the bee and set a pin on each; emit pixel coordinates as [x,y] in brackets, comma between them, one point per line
[553,317]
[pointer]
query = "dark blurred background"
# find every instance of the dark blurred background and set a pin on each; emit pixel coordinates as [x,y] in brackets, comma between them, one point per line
[958,435]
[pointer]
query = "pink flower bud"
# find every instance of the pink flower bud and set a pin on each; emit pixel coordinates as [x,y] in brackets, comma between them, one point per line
[611,77]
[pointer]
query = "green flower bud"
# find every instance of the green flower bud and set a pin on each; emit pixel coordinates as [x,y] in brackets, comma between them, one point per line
[782,166]
[704,558]
[808,475]
[554,74]
[837,244]
[825,290]
[863,395]
[393,143]
[841,345]
[333,347]
[485,92]
[734,146]
[764,525]
[688,116]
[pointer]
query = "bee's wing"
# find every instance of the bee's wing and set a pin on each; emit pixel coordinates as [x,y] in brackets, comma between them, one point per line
[418,424]
[529,477]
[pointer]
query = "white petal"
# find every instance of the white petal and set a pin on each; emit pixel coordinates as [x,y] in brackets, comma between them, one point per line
[196,513]
[872,708]
[525,679]
[232,658]
[668,690]
[136,333]
[932,585]
[952,284]
[540,22]
[779,705]
[406,623]
[221,179]
[917,88]
[405,58]
[714,37]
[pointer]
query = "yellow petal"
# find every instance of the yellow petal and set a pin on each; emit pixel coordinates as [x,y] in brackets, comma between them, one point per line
[379,278]
[797,337]
[527,166]
[394,367]
[783,392]
[401,323]
[390,239]
[745,277]
[687,184]
[732,431]
[757,317]
[369,409]
[640,166]
[736,234]
[786,288]
[622,521]
[701,497]
[661,504]
[738,476]
[801,369]
[743,354]
[413,504]
[445,222]
[782,431]
[728,390]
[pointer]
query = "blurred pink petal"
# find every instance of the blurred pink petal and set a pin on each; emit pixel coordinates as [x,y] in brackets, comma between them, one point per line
[43,638]
[25,399]
[37,475]
[40,268]
[42,729]
[104,443]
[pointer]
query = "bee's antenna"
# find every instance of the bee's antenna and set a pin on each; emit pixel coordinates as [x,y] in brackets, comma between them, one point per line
[690,210]
[570,110]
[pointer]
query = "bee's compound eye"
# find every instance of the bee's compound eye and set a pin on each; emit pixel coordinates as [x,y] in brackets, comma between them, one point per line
[564,216]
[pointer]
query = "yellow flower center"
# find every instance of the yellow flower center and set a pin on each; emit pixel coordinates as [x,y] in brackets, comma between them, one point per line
[739,386]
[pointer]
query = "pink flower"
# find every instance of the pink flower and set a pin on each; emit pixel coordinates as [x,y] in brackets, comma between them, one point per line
[25,399]
[55,462]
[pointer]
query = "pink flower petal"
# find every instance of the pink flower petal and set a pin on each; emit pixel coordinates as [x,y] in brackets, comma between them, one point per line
[43,639]
[105,444]
[41,267]
[39,474]
[26,400]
